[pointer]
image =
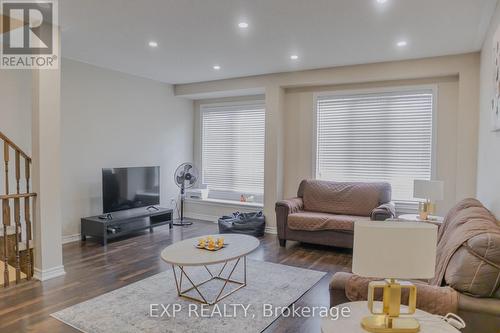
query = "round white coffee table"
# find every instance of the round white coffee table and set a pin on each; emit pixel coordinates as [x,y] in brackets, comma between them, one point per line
[185,253]
[352,324]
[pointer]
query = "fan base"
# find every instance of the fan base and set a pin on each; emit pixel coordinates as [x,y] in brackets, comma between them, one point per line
[182,222]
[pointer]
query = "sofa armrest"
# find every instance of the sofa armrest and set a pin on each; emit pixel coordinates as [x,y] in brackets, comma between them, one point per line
[489,306]
[337,288]
[433,299]
[283,209]
[384,211]
[480,314]
[292,205]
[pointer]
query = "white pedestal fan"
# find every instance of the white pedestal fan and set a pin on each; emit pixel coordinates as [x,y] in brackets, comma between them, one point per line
[185,176]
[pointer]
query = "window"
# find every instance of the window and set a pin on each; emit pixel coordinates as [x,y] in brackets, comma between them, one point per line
[376,137]
[233,150]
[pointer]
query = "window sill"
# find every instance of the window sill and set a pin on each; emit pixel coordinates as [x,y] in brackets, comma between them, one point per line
[218,202]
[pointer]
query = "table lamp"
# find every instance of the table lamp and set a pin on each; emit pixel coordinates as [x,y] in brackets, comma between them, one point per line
[431,191]
[393,251]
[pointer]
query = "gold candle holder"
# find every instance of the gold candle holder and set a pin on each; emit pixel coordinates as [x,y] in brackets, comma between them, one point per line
[425,209]
[389,320]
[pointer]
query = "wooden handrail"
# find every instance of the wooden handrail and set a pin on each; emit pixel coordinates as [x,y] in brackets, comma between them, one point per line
[17,196]
[14,146]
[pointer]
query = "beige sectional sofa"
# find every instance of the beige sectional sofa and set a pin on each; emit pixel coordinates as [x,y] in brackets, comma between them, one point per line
[324,212]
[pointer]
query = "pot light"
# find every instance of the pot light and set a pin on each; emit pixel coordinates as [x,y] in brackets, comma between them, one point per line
[216,67]
[402,43]
[294,57]
[381,1]
[243,25]
[153,44]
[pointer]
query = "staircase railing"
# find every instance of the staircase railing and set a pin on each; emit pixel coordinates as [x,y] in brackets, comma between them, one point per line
[17,249]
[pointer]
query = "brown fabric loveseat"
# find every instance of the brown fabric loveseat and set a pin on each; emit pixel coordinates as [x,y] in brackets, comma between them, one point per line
[467,280]
[324,212]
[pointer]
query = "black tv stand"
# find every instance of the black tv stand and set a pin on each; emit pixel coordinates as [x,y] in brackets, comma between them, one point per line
[124,222]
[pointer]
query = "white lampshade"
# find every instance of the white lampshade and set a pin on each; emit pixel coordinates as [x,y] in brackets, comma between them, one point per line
[399,250]
[428,189]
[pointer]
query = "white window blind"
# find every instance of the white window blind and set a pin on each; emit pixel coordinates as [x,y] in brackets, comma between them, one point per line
[233,148]
[376,137]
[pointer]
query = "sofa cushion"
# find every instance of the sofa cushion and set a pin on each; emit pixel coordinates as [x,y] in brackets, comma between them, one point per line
[468,273]
[315,221]
[346,198]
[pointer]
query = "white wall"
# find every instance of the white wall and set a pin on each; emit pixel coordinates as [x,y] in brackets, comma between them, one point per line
[15,118]
[112,119]
[289,119]
[15,109]
[488,175]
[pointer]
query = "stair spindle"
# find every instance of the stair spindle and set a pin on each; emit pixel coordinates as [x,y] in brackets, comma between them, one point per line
[6,161]
[27,218]
[6,219]
[6,214]
[27,264]
[17,216]
[18,171]
[17,221]
[27,162]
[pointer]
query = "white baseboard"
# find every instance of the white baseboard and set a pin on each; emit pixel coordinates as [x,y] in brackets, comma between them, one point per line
[271,230]
[214,219]
[203,217]
[71,238]
[47,274]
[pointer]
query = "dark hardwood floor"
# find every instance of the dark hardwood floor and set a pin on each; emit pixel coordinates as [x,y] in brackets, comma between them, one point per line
[92,270]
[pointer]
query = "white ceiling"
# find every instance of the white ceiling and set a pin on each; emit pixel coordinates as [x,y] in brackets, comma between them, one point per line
[194,35]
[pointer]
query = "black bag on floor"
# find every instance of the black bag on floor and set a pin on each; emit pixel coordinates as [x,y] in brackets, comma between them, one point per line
[252,224]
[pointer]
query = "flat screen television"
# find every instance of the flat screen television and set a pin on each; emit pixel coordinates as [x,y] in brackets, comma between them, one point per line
[127,188]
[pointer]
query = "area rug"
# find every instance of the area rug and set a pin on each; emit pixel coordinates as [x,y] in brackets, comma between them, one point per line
[152,305]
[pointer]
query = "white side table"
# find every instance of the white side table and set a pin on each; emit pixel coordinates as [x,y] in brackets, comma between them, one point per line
[437,220]
[428,322]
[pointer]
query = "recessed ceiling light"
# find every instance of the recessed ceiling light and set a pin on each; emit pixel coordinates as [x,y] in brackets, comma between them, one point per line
[381,1]
[216,67]
[294,57]
[402,43]
[243,25]
[153,43]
